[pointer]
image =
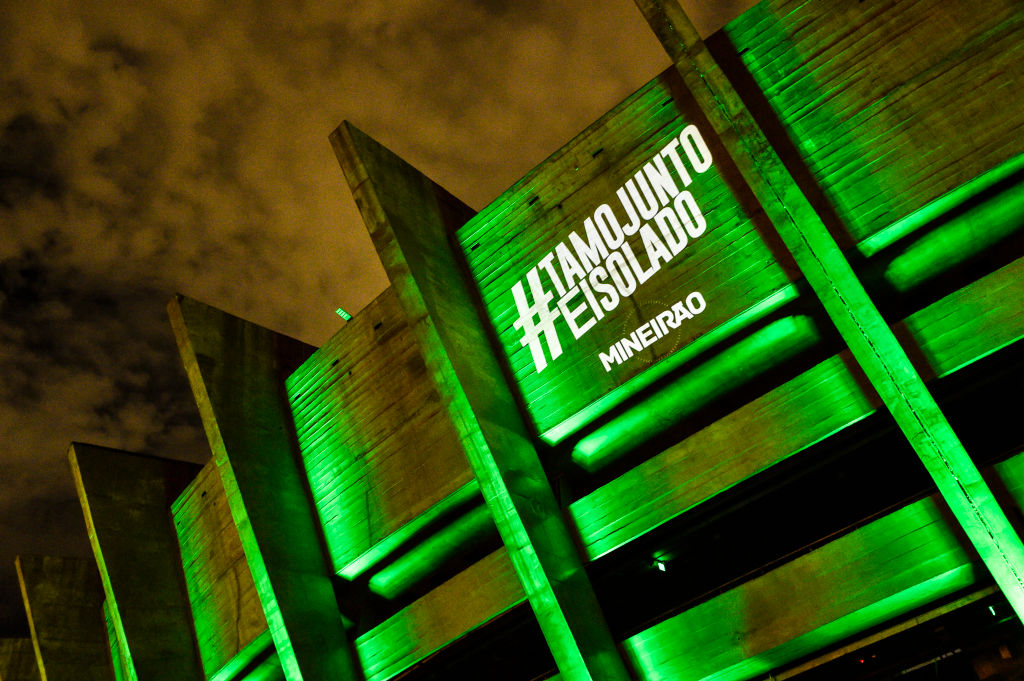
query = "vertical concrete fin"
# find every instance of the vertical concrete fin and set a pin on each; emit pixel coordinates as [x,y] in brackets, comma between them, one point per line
[237,371]
[411,221]
[854,314]
[126,502]
[64,603]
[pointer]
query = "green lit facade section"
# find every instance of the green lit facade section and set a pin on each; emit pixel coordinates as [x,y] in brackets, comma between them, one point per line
[719,335]
[417,632]
[122,668]
[965,230]
[226,611]
[861,326]
[1001,184]
[502,456]
[805,410]
[256,661]
[885,570]
[862,133]
[420,561]
[770,346]
[899,563]
[361,405]
[730,264]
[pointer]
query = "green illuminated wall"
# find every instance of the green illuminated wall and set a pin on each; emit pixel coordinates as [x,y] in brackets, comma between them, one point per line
[380,454]
[890,106]
[733,264]
[225,608]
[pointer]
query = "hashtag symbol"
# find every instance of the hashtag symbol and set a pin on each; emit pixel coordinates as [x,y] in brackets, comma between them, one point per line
[536,319]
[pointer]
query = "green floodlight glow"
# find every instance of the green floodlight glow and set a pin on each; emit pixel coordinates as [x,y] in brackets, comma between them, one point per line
[782,339]
[268,670]
[393,541]
[420,560]
[902,561]
[261,647]
[344,315]
[935,209]
[892,578]
[962,237]
[872,343]
[126,662]
[117,660]
[717,335]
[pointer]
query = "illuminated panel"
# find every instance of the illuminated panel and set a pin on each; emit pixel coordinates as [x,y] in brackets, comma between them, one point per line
[257,661]
[225,606]
[424,557]
[932,240]
[902,561]
[998,190]
[410,219]
[380,452]
[237,372]
[964,231]
[468,600]
[890,105]
[777,342]
[619,250]
[897,563]
[854,313]
[807,409]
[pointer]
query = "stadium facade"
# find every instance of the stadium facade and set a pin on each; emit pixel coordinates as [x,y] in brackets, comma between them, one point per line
[728,387]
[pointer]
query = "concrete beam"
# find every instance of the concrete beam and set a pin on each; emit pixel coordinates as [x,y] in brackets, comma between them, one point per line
[64,603]
[237,371]
[411,221]
[126,501]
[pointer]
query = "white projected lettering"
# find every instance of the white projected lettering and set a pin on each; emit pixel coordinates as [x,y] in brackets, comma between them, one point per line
[589,273]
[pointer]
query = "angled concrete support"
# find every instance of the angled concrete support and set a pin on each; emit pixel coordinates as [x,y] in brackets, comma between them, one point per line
[852,311]
[237,371]
[411,220]
[64,603]
[126,501]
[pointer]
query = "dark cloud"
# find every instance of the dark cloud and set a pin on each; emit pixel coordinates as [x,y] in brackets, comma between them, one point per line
[28,161]
[123,55]
[75,350]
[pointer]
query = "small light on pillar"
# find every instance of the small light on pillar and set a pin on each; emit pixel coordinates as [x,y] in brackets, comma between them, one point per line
[344,315]
[660,564]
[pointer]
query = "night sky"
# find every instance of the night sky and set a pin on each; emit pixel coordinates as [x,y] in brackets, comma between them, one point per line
[161,147]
